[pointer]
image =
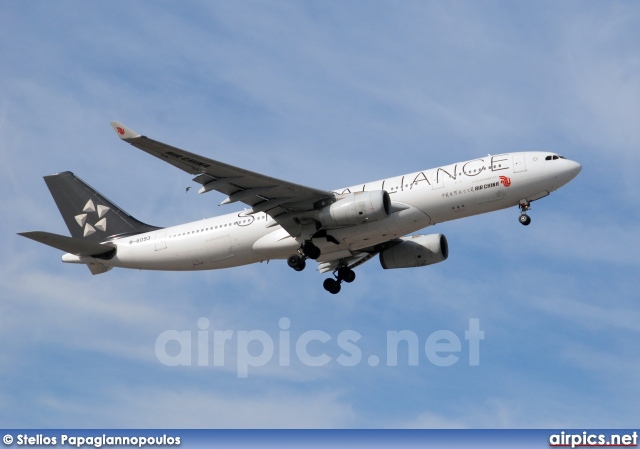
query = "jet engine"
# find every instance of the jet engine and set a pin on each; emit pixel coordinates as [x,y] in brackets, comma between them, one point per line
[416,251]
[356,208]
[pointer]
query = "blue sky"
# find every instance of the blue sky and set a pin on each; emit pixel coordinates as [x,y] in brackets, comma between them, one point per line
[326,94]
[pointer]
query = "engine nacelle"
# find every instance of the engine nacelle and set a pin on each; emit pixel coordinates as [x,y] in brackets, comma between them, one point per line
[357,208]
[416,251]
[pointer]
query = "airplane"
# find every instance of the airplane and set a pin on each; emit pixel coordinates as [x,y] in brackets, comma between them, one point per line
[339,229]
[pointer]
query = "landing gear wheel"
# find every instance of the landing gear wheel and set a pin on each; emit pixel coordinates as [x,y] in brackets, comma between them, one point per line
[525,205]
[346,274]
[296,262]
[310,250]
[525,219]
[293,261]
[331,285]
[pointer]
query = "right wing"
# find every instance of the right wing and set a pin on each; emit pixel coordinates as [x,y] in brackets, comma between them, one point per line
[282,200]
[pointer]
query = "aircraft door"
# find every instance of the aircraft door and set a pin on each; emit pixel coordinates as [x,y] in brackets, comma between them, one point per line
[519,164]
[161,240]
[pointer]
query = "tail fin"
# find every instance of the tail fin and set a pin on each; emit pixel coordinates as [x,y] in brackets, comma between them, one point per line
[88,214]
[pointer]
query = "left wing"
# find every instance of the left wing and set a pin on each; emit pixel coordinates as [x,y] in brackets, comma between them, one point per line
[282,200]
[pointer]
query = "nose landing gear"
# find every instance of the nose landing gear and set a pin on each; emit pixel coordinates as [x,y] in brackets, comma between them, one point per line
[524,219]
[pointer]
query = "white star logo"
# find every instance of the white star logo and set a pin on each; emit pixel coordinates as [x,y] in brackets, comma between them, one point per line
[100,225]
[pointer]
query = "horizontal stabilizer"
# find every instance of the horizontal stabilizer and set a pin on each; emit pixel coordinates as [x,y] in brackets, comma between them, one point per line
[71,245]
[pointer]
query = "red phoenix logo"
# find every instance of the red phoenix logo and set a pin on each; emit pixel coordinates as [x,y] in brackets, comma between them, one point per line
[120,131]
[505,181]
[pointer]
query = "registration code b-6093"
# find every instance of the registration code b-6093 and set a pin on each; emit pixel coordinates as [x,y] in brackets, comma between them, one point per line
[139,240]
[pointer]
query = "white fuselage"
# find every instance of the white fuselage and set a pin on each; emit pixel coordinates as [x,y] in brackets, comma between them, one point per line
[419,199]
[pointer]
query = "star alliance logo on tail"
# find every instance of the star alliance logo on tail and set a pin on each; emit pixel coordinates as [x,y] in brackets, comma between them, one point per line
[100,225]
[505,181]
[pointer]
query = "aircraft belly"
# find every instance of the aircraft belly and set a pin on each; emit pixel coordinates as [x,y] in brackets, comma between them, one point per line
[276,244]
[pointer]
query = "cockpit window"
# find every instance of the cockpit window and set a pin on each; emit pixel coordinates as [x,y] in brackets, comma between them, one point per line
[553,157]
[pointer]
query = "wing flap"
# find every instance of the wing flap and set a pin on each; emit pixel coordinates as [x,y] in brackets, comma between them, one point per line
[333,261]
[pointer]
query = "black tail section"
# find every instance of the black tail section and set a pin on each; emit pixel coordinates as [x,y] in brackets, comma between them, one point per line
[88,214]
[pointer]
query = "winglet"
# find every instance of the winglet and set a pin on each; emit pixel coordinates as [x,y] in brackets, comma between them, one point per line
[123,132]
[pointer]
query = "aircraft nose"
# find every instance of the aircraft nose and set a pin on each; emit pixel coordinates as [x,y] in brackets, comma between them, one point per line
[573,169]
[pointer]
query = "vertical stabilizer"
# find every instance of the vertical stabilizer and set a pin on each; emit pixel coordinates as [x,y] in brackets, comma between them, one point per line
[87,213]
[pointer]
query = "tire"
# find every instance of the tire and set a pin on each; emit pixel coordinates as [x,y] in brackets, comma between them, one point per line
[311,251]
[525,219]
[331,285]
[293,261]
[346,274]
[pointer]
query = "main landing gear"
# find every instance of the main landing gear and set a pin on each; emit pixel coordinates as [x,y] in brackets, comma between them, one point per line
[342,274]
[524,207]
[310,251]
[296,262]
[307,251]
